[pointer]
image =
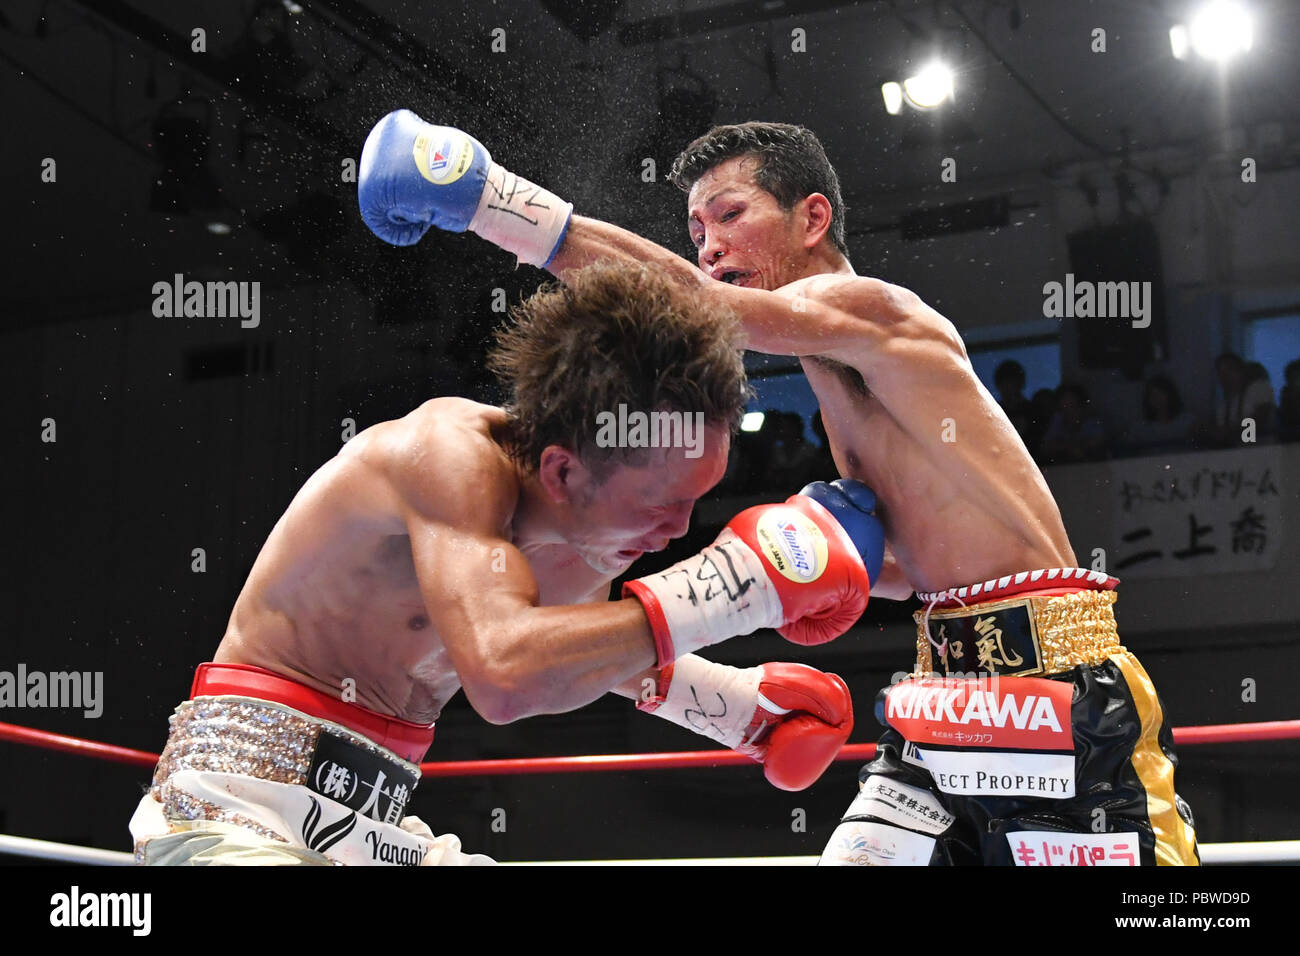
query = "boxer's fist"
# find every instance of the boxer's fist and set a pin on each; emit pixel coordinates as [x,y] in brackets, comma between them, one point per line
[802,719]
[791,718]
[818,566]
[854,506]
[415,175]
[789,566]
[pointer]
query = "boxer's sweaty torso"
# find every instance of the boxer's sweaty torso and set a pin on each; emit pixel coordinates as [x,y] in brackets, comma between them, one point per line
[962,500]
[333,595]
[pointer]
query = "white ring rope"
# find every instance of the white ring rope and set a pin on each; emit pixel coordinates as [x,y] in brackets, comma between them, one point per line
[1212,854]
[64,852]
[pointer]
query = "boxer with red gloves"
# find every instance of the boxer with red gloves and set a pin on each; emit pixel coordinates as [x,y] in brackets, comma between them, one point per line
[804,568]
[970,513]
[469,547]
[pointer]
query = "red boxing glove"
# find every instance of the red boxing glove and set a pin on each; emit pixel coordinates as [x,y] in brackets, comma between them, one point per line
[791,718]
[811,717]
[814,614]
[788,566]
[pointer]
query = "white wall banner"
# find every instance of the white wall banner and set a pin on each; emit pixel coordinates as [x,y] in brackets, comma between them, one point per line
[1179,515]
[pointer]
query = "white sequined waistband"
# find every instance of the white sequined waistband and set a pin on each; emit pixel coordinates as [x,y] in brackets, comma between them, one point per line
[252,737]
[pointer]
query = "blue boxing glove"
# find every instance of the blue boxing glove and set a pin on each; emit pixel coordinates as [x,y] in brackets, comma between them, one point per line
[415,175]
[853,505]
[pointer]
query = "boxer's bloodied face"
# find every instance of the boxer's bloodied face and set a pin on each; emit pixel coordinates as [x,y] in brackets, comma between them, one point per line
[740,232]
[624,511]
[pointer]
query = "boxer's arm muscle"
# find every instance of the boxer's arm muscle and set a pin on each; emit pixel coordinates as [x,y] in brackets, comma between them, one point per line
[591,240]
[820,316]
[514,658]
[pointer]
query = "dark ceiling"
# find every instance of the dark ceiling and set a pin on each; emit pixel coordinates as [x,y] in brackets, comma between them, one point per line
[279,100]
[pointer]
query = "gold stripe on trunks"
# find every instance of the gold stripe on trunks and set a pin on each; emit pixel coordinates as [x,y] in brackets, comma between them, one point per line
[1174,836]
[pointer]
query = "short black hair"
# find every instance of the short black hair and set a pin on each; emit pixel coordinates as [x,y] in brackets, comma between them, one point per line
[1009,369]
[793,165]
[1165,384]
[1075,389]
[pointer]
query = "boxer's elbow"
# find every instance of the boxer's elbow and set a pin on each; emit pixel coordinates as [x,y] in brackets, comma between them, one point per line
[497,698]
[492,704]
[502,690]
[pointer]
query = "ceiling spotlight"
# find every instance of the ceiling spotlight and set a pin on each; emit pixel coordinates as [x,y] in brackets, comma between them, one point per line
[927,90]
[1219,31]
[930,87]
[893,94]
[751,422]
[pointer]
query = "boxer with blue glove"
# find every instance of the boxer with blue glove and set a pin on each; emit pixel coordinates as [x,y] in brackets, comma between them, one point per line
[415,175]
[972,521]
[804,567]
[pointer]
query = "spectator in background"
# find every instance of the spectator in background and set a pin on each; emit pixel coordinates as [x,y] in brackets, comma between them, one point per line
[1009,380]
[792,457]
[1075,434]
[1042,409]
[825,463]
[777,457]
[1245,393]
[1164,425]
[1288,405]
[1258,400]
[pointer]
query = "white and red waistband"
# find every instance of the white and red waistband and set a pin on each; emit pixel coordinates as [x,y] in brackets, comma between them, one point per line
[1020,583]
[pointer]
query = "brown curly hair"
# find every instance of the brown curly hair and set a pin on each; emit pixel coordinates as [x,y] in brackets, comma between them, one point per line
[614,334]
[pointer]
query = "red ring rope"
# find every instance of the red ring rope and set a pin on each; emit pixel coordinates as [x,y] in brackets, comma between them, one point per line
[1185,736]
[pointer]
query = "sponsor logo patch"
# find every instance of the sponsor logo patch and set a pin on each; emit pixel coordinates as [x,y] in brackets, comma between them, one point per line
[360,779]
[444,159]
[1025,713]
[999,638]
[979,774]
[876,844]
[1050,848]
[792,544]
[900,803]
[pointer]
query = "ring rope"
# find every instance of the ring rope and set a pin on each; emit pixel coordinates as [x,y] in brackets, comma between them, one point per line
[1184,736]
[1212,854]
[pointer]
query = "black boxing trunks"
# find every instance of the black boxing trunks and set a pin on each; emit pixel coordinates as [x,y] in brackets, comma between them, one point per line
[1027,735]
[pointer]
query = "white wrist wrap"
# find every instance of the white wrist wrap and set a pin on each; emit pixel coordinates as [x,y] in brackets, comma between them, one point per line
[721,592]
[712,700]
[520,217]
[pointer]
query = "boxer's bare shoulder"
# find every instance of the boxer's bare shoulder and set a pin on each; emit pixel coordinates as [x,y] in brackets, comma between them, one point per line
[338,573]
[443,461]
[861,320]
[854,320]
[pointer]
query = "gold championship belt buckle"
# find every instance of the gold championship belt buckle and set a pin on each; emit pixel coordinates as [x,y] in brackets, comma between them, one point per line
[1020,636]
